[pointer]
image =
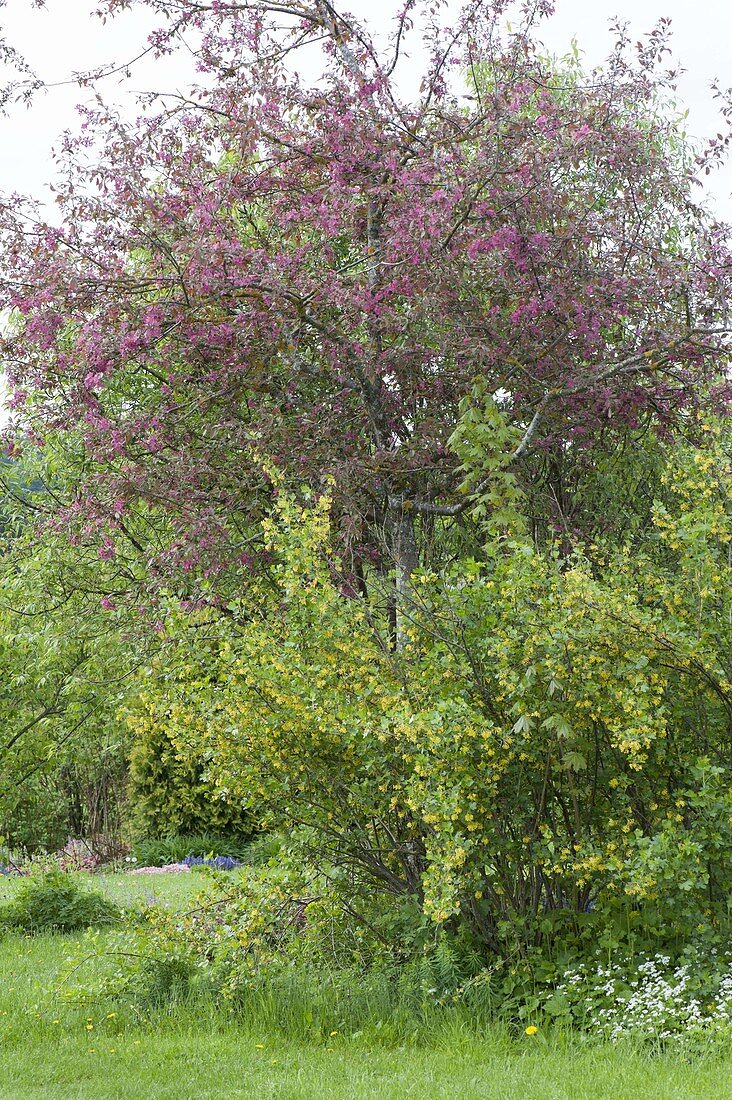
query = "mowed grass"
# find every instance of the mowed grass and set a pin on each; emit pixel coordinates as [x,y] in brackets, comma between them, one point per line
[52,1050]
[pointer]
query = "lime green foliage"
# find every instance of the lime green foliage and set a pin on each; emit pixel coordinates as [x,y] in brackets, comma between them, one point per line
[586,699]
[485,442]
[169,795]
[544,763]
[298,690]
[65,665]
[56,901]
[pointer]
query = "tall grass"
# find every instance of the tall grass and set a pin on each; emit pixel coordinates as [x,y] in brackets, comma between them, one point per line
[295,1037]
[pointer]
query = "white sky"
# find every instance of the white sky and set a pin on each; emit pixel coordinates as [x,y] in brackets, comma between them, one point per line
[64,38]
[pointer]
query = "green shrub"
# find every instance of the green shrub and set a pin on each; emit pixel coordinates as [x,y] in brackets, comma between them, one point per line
[543,767]
[262,849]
[55,901]
[171,795]
[32,815]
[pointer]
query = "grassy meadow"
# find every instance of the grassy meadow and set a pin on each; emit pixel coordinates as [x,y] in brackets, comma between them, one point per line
[51,1049]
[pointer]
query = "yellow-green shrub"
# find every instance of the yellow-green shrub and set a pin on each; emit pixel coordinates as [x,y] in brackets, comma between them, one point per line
[169,793]
[550,753]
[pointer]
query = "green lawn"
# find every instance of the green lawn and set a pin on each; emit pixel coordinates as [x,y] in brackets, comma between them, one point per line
[171,890]
[189,1066]
[50,1050]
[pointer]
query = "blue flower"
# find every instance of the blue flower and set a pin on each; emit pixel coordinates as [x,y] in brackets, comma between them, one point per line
[220,863]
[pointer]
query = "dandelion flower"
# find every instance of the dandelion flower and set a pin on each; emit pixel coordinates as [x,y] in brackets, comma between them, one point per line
[531,1030]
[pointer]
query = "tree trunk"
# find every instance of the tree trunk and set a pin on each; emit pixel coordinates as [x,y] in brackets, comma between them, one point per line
[406,560]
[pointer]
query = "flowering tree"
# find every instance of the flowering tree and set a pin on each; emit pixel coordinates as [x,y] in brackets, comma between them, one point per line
[337,277]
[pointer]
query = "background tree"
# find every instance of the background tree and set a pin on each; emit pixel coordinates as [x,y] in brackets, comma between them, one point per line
[67,660]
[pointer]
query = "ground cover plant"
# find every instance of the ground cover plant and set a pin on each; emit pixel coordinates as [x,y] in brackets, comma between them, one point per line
[174,849]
